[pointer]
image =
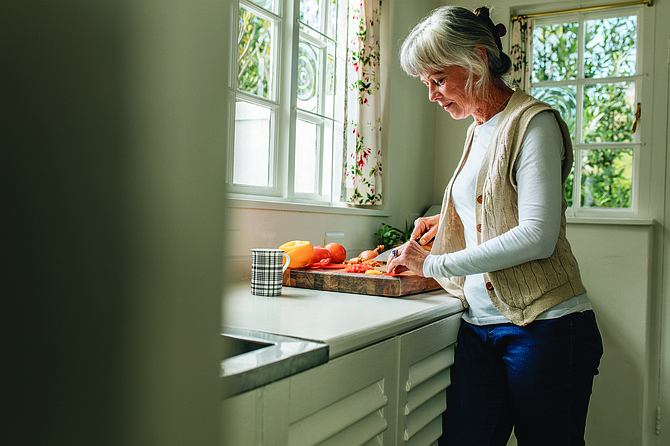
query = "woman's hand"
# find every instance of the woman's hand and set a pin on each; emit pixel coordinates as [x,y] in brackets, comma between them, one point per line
[409,256]
[425,229]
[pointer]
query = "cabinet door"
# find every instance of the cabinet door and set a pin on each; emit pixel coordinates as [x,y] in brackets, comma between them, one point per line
[347,401]
[424,360]
[257,417]
[241,419]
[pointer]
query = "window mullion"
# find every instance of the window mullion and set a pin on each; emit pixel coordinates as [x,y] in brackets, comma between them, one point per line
[577,166]
[231,96]
[290,96]
[589,81]
[323,83]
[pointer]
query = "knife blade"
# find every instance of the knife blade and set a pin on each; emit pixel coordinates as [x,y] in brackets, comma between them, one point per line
[384,256]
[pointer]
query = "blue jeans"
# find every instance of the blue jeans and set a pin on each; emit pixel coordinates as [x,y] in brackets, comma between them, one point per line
[536,379]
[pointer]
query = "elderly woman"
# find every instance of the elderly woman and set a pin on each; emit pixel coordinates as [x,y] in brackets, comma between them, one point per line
[529,346]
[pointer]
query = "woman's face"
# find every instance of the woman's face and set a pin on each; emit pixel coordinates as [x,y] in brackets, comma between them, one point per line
[447,88]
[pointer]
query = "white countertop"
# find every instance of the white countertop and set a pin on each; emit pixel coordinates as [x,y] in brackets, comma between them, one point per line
[344,321]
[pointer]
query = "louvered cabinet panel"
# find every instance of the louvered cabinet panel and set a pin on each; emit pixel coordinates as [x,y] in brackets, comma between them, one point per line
[425,356]
[350,400]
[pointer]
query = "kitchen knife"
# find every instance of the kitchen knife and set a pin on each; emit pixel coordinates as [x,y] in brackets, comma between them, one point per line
[384,256]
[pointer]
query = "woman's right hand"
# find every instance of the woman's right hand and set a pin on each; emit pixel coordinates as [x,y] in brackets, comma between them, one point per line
[425,229]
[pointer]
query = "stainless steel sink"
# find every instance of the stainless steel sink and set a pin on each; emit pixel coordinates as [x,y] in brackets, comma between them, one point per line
[233,346]
[252,359]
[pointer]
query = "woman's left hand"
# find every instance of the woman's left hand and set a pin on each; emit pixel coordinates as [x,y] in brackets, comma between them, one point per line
[409,256]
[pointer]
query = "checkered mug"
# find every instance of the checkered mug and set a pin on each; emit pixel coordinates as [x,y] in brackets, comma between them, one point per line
[267,271]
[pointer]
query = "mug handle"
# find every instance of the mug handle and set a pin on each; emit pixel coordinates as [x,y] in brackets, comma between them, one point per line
[286,264]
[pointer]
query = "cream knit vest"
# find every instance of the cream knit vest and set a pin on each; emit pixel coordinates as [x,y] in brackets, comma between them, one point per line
[522,292]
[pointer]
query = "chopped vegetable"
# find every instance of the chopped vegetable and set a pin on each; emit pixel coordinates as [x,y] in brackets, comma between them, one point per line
[358,268]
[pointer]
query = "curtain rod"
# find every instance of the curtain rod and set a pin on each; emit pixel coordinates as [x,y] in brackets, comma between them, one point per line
[584,9]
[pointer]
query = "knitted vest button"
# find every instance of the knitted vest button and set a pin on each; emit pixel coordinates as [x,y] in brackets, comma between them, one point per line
[480,199]
[489,286]
[479,228]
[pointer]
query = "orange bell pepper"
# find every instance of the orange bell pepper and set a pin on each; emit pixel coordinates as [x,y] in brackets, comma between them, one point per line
[299,251]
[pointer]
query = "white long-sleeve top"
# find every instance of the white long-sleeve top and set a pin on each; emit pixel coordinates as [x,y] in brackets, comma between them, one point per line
[538,175]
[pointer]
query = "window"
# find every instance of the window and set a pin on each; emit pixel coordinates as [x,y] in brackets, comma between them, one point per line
[289,99]
[589,67]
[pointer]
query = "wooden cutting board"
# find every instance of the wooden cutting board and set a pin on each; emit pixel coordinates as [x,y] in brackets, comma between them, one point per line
[337,280]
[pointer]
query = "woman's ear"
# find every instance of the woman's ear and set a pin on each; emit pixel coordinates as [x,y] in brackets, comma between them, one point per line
[481,52]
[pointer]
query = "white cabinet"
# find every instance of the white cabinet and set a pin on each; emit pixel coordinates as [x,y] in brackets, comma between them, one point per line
[241,420]
[257,417]
[347,401]
[424,358]
[389,394]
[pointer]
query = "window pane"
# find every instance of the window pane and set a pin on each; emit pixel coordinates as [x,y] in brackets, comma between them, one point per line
[306,157]
[555,52]
[570,186]
[342,23]
[331,100]
[611,48]
[310,14]
[332,19]
[309,67]
[270,5]
[326,158]
[608,112]
[607,178]
[251,159]
[563,99]
[254,74]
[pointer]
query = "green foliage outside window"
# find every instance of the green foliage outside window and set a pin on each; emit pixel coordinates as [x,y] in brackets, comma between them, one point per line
[555,52]
[254,59]
[606,178]
[607,109]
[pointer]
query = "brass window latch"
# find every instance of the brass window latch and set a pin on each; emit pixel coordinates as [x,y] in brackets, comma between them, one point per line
[637,117]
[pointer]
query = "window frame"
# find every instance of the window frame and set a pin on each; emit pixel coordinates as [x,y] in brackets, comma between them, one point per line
[285,111]
[641,168]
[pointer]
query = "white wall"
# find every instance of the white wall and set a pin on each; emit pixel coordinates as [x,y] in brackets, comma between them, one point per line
[615,262]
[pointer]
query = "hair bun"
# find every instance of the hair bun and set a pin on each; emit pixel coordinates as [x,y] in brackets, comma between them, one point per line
[482,12]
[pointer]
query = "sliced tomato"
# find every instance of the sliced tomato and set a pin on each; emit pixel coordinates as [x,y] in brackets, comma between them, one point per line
[358,268]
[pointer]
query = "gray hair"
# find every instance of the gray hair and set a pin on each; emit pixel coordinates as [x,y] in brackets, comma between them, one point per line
[448,37]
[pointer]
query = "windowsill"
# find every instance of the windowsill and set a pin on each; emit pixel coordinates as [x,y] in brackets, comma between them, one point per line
[623,221]
[336,208]
[292,206]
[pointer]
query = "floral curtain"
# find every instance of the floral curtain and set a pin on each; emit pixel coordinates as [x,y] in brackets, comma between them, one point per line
[522,30]
[362,129]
